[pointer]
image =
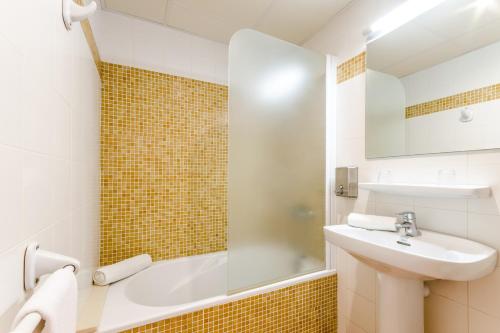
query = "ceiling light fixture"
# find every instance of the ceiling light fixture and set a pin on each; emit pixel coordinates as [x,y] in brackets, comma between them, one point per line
[401,15]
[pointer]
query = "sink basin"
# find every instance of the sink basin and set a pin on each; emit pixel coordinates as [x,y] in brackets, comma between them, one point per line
[404,264]
[429,256]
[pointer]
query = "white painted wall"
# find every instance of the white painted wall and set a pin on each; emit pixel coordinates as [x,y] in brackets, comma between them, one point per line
[452,307]
[49,143]
[133,42]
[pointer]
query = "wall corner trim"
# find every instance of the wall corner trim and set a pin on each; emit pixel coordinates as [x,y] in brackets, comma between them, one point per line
[89,36]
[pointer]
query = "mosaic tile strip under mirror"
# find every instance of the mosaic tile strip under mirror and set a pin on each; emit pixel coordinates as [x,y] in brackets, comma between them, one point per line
[466,98]
[357,65]
[309,307]
[163,165]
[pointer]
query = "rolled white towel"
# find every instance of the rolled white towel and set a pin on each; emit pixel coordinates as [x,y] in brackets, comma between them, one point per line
[372,222]
[112,273]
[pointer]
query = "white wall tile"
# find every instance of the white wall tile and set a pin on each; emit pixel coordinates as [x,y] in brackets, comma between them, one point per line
[112,33]
[59,137]
[10,99]
[387,198]
[149,45]
[484,294]
[351,152]
[482,323]
[362,279]
[342,267]
[443,315]
[45,116]
[49,81]
[359,205]
[360,311]
[485,174]
[130,41]
[486,205]
[62,68]
[446,221]
[36,43]
[11,288]
[350,108]
[388,209]
[62,237]
[37,208]
[347,326]
[442,203]
[204,67]
[485,229]
[454,290]
[60,189]
[12,230]
[487,157]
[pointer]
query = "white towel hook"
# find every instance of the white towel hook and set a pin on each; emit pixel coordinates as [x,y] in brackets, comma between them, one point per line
[39,262]
[72,12]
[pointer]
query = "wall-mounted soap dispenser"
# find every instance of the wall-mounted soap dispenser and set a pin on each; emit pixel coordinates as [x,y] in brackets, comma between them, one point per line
[346,182]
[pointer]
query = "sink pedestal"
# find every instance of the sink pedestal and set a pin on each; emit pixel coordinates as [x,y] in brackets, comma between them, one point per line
[402,268]
[400,306]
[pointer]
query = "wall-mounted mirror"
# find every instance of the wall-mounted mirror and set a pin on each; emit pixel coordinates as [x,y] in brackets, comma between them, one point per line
[433,84]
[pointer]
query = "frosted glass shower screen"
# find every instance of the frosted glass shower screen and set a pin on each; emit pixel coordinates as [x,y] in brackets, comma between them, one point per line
[276,189]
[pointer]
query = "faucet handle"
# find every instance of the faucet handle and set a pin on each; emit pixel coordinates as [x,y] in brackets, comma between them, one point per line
[407,216]
[407,221]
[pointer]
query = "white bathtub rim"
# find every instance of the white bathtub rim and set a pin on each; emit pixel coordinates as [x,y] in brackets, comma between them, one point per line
[123,314]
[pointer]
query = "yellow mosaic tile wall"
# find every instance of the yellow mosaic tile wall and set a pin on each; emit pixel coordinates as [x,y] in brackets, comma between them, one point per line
[351,68]
[309,307]
[163,165]
[475,96]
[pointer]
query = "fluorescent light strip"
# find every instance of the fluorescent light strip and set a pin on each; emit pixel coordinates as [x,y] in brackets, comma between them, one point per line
[401,15]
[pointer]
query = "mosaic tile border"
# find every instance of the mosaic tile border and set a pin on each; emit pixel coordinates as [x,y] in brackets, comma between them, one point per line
[466,98]
[163,165]
[308,307]
[351,68]
[357,65]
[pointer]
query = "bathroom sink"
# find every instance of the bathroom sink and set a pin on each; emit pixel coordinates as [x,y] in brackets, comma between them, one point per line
[429,256]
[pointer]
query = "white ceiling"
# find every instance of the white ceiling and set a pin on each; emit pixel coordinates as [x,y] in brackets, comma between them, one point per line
[218,20]
[450,30]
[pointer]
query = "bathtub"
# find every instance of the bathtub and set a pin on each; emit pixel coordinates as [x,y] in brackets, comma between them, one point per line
[171,288]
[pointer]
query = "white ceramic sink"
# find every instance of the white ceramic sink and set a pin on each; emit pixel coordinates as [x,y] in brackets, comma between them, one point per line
[401,269]
[429,256]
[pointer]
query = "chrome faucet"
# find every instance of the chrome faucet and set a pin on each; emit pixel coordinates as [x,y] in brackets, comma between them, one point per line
[407,221]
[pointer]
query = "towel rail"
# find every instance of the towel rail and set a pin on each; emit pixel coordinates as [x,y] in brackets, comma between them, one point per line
[38,262]
[31,322]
